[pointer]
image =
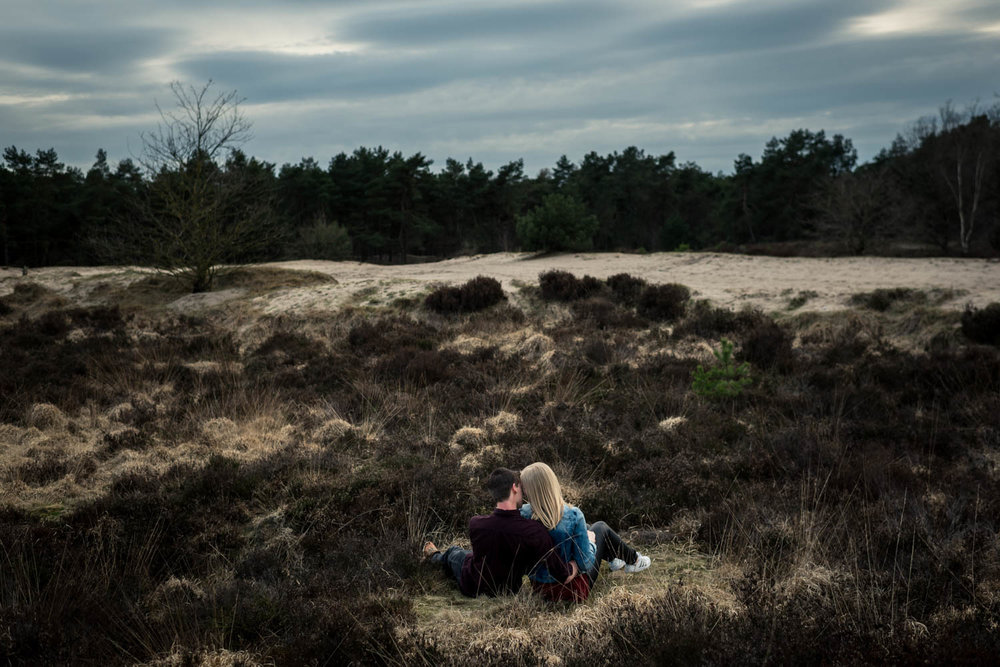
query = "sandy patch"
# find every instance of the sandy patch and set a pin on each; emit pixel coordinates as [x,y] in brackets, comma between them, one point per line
[728,280]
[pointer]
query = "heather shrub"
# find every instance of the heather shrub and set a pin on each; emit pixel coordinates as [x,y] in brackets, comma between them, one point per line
[384,335]
[766,345]
[706,321]
[476,294]
[421,367]
[883,299]
[604,314]
[27,293]
[589,286]
[559,286]
[663,303]
[626,287]
[982,325]
[446,299]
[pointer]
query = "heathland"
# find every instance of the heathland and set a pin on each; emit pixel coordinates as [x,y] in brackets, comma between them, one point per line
[245,475]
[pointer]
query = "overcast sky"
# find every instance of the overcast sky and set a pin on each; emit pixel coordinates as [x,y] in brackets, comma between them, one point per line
[495,80]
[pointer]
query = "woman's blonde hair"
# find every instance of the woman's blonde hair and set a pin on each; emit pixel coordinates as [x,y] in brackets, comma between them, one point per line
[541,488]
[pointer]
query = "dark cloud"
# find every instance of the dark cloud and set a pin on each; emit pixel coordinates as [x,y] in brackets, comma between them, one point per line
[97,50]
[738,29]
[492,80]
[500,26]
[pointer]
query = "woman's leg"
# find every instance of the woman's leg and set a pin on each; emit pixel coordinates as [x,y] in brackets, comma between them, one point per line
[609,546]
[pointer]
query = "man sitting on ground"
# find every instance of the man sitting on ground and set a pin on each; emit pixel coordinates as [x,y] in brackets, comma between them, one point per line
[505,545]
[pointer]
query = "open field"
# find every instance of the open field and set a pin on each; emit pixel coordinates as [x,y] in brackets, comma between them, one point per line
[246,476]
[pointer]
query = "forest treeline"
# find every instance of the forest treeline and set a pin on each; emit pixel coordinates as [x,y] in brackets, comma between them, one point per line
[936,189]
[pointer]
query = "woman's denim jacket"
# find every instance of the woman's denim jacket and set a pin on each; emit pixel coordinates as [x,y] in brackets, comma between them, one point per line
[571,540]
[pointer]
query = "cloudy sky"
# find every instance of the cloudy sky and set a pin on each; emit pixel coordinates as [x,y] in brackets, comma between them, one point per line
[496,80]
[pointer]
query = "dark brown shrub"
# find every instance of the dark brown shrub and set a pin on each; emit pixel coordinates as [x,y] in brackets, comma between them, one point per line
[598,351]
[100,318]
[982,325]
[422,367]
[605,314]
[626,287]
[445,299]
[589,286]
[287,348]
[479,293]
[26,293]
[706,321]
[53,323]
[883,299]
[5,309]
[559,286]
[664,303]
[388,334]
[766,345]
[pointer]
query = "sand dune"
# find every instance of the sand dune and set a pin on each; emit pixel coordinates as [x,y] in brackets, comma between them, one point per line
[728,280]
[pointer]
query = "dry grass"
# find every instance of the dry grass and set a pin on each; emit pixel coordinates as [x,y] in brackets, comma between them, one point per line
[233,487]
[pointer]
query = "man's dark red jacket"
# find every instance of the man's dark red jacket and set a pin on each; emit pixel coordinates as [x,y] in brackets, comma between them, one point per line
[505,546]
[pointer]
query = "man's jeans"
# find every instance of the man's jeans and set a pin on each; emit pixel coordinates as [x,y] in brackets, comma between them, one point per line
[451,559]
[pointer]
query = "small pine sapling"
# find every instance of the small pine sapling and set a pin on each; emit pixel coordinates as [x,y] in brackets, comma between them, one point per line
[723,380]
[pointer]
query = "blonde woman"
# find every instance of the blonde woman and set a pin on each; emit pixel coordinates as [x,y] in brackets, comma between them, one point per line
[574,539]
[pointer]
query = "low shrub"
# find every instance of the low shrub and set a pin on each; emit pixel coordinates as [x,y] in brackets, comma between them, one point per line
[883,299]
[982,325]
[479,293]
[604,314]
[766,345]
[801,299]
[386,334]
[664,303]
[564,286]
[626,287]
[5,309]
[589,286]
[446,299]
[559,286]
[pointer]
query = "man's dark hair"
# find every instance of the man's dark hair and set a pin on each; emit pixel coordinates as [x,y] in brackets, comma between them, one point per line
[500,481]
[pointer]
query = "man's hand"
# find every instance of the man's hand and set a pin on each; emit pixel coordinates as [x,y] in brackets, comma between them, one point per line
[574,570]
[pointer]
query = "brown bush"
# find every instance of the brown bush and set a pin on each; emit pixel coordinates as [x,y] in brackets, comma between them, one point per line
[982,325]
[766,345]
[604,314]
[559,286]
[663,303]
[626,288]
[476,294]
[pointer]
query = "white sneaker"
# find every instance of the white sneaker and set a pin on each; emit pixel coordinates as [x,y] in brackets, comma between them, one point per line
[640,564]
[616,564]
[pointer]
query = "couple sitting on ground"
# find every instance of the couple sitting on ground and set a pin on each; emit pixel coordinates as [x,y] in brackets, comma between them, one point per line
[532,531]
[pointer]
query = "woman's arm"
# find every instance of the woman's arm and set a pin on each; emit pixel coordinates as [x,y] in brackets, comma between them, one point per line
[582,552]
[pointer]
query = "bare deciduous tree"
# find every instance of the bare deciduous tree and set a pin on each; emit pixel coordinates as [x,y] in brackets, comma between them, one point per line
[968,140]
[858,207]
[198,215]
